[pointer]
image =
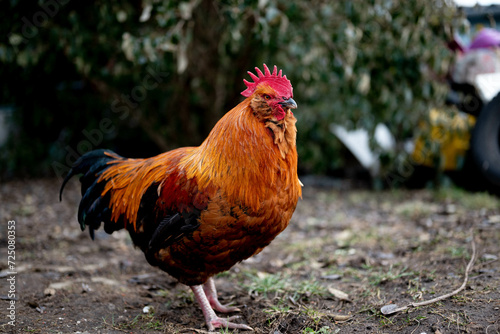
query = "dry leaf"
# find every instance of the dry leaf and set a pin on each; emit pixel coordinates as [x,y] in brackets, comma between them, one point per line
[49,292]
[340,317]
[389,309]
[339,294]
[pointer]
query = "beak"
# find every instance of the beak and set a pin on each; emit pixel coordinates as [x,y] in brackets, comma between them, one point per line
[290,104]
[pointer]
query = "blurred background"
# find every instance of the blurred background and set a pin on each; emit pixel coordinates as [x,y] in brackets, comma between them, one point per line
[373,80]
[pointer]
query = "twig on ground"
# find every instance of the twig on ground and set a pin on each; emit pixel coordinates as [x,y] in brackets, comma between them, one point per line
[393,308]
[191,330]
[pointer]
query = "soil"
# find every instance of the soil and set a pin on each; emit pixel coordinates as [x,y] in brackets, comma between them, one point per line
[346,254]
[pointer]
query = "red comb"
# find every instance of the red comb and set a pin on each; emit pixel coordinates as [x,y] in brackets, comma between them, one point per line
[276,80]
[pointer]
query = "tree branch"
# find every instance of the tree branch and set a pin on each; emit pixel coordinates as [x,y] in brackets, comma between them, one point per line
[393,308]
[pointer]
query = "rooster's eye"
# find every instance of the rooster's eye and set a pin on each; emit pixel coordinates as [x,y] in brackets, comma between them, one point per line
[267,97]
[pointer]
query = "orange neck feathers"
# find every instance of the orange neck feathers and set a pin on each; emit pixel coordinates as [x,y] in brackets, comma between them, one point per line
[246,158]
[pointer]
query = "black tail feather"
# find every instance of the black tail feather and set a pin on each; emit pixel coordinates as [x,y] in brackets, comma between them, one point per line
[88,200]
[88,164]
[93,208]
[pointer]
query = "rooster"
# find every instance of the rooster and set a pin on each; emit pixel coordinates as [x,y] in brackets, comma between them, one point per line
[197,211]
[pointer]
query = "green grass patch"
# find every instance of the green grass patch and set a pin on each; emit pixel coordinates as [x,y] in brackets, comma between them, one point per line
[139,322]
[265,284]
[322,330]
[380,277]
[468,200]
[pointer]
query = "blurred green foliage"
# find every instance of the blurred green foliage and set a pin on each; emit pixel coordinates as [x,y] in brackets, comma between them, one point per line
[147,76]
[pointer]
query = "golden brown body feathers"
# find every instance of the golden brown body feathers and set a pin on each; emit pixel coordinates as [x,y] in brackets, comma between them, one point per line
[197,211]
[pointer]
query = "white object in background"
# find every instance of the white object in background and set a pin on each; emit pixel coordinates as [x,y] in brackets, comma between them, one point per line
[358,143]
[488,85]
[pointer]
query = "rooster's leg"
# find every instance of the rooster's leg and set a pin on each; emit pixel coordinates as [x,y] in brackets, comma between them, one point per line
[212,320]
[211,293]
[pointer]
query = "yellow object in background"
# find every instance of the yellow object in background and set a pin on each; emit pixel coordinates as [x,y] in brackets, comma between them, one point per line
[446,142]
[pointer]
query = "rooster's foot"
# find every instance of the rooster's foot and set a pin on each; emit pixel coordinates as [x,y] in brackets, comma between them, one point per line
[211,293]
[206,296]
[226,323]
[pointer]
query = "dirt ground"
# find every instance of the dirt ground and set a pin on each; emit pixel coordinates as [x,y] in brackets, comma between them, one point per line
[345,254]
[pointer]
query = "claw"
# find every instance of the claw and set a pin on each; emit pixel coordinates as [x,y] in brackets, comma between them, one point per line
[227,308]
[211,293]
[226,323]
[206,296]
